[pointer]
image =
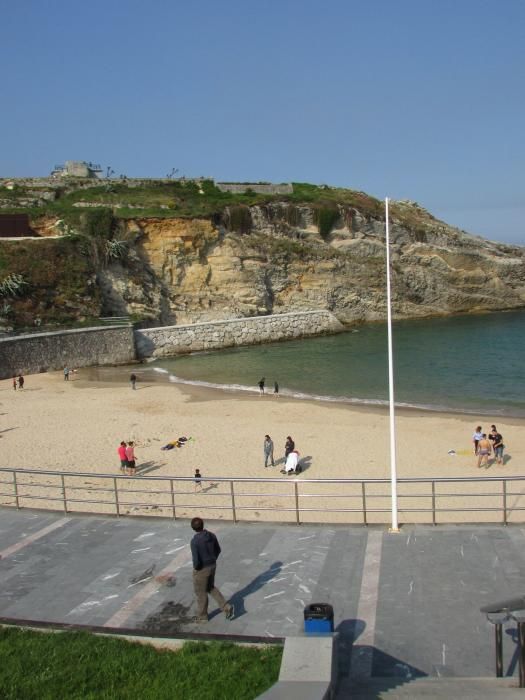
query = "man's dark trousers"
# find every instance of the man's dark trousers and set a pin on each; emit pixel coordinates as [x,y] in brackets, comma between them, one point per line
[204,584]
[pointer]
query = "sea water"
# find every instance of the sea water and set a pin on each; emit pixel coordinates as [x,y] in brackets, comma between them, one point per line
[468,363]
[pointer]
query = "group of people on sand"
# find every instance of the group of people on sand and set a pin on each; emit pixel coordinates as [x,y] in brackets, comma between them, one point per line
[291,455]
[485,446]
[126,452]
[18,383]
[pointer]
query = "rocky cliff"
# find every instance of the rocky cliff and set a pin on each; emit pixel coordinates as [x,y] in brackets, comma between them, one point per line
[185,271]
[271,258]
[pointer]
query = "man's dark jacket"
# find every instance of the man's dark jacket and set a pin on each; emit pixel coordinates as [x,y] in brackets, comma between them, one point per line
[205,549]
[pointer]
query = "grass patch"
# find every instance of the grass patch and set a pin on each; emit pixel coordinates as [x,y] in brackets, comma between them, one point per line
[81,666]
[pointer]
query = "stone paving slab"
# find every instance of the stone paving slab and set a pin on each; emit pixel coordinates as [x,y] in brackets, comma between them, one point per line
[419,592]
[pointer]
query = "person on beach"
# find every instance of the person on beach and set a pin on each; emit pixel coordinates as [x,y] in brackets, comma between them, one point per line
[276,389]
[130,459]
[14,383]
[288,446]
[478,433]
[497,444]
[484,451]
[20,382]
[66,374]
[292,462]
[198,480]
[122,455]
[268,450]
[205,551]
[133,381]
[261,385]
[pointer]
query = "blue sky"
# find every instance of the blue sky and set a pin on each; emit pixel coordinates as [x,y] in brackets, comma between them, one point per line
[411,99]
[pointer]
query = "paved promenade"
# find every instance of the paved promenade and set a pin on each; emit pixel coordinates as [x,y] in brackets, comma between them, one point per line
[405,604]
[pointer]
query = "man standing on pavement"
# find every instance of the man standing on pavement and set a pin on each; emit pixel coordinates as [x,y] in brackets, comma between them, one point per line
[205,550]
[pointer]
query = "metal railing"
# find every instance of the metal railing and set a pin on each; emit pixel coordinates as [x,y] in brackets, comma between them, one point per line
[301,500]
[511,610]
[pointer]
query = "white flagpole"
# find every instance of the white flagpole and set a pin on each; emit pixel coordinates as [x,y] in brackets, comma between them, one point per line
[393,469]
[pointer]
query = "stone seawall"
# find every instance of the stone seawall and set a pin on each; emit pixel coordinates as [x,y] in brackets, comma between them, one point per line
[41,352]
[214,335]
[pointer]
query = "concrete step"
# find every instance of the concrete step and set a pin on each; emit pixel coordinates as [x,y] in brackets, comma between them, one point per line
[432,689]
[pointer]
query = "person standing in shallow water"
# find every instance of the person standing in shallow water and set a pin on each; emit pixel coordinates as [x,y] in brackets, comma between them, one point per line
[276,389]
[261,384]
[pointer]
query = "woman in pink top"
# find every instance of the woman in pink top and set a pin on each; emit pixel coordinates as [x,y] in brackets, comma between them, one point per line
[130,457]
[122,455]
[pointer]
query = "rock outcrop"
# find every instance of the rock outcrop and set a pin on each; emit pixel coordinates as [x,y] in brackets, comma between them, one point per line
[186,271]
[281,257]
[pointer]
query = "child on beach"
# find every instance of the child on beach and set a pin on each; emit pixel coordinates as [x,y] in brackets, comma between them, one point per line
[478,434]
[122,455]
[20,382]
[198,478]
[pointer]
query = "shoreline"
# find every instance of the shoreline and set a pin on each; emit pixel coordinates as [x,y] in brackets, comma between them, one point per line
[215,391]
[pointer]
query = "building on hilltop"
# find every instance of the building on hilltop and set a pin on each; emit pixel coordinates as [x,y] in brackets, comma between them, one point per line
[77,168]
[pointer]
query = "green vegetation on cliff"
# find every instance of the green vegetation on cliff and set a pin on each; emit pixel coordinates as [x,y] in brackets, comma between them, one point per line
[198,199]
[58,280]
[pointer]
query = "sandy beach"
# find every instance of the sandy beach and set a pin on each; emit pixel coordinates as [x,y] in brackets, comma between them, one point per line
[76,426]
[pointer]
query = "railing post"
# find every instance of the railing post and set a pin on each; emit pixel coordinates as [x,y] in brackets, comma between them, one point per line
[504,483]
[172,499]
[15,487]
[296,492]
[234,513]
[521,641]
[433,502]
[499,649]
[64,500]
[115,493]
[363,500]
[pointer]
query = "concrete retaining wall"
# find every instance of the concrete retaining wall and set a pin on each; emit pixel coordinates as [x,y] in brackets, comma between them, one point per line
[114,345]
[177,340]
[40,352]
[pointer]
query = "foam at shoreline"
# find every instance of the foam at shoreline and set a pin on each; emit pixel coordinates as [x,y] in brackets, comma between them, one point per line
[303,396]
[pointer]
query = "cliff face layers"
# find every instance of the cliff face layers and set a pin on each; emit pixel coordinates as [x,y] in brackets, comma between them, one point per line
[277,258]
[180,271]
